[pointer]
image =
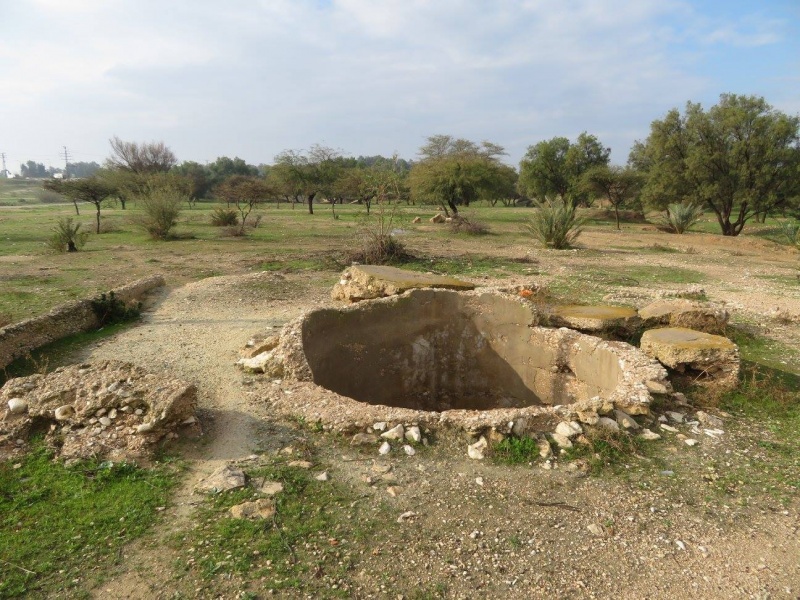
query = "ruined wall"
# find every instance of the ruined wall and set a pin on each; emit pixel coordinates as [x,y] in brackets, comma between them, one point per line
[67,319]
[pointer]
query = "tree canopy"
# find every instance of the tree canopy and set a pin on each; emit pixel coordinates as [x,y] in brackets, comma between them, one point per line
[740,159]
[618,185]
[554,167]
[140,158]
[92,189]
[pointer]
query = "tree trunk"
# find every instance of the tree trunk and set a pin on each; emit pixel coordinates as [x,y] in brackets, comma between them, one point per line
[616,215]
[453,207]
[71,247]
[98,218]
[77,210]
[311,203]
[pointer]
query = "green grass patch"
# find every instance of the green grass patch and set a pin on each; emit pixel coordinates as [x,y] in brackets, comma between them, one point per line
[472,265]
[57,524]
[308,547]
[609,450]
[516,451]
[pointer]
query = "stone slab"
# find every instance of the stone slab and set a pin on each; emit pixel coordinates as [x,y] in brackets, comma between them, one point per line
[364,282]
[593,318]
[690,314]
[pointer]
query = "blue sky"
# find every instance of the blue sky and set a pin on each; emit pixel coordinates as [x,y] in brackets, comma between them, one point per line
[251,78]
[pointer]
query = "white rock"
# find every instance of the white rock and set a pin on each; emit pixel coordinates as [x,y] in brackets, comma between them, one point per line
[690,442]
[544,448]
[270,488]
[225,478]
[479,481]
[138,412]
[409,450]
[562,441]
[62,413]
[596,530]
[380,426]
[144,428]
[675,416]
[625,420]
[680,544]
[395,433]
[322,476]
[569,429]
[709,420]
[112,414]
[105,421]
[646,434]
[476,450]
[385,448]
[413,434]
[669,428]
[406,516]
[714,433]
[607,423]
[17,406]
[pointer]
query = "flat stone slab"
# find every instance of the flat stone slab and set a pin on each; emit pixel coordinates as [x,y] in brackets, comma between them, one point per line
[364,282]
[593,318]
[714,358]
[690,314]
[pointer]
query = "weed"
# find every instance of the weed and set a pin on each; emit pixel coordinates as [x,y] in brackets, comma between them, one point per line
[110,310]
[607,449]
[680,217]
[516,451]
[378,245]
[468,225]
[791,232]
[555,224]
[224,217]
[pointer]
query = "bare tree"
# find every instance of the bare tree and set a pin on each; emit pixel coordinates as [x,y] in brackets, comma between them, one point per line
[152,157]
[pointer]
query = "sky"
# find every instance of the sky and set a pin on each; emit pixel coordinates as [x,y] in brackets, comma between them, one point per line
[251,78]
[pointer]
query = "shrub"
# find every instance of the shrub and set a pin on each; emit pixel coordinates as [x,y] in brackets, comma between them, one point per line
[555,224]
[378,245]
[791,231]
[67,236]
[224,217]
[49,197]
[109,309]
[469,226]
[680,217]
[161,206]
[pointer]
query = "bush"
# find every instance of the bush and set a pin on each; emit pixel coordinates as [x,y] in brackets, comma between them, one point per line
[791,231]
[555,224]
[161,206]
[680,217]
[109,309]
[67,236]
[469,226]
[224,217]
[49,197]
[378,245]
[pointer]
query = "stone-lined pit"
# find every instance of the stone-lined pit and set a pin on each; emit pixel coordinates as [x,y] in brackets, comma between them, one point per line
[442,350]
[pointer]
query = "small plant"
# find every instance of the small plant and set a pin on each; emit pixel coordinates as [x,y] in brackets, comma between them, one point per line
[67,236]
[791,231]
[49,197]
[224,217]
[109,309]
[469,226]
[555,224]
[516,451]
[379,246]
[161,206]
[680,217]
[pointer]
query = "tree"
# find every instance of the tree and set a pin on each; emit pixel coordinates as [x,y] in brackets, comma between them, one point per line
[619,185]
[198,177]
[308,174]
[92,189]
[33,170]
[739,159]
[81,169]
[456,172]
[245,193]
[224,167]
[131,162]
[554,167]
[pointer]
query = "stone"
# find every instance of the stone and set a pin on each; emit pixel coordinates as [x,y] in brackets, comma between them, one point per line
[364,282]
[385,448]
[711,359]
[322,476]
[144,428]
[596,530]
[476,450]
[364,439]
[257,346]
[17,406]
[691,314]
[438,218]
[569,429]
[690,442]
[416,220]
[395,433]
[270,363]
[225,478]
[270,488]
[104,421]
[380,426]
[608,423]
[648,435]
[409,514]
[669,428]
[675,416]
[562,441]
[593,319]
[301,464]
[708,420]
[63,413]
[544,448]
[413,434]
[409,450]
[256,509]
[625,420]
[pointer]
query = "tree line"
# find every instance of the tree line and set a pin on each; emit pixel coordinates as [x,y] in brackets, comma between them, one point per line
[740,160]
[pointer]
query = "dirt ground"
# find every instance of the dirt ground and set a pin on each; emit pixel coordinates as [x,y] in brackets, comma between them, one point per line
[481,530]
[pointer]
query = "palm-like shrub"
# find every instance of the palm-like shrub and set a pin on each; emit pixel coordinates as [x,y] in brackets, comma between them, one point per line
[67,236]
[555,224]
[224,217]
[791,231]
[680,217]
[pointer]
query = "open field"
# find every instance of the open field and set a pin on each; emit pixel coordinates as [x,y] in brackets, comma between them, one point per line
[482,529]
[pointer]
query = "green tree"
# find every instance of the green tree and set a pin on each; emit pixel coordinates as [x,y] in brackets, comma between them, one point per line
[455,172]
[555,167]
[618,185]
[308,174]
[740,159]
[92,189]
[244,192]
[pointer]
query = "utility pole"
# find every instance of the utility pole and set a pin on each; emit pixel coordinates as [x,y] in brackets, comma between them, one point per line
[65,156]
[3,171]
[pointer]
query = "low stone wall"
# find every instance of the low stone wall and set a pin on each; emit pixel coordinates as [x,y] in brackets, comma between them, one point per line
[67,319]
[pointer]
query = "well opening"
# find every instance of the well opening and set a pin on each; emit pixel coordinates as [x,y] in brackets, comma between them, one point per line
[439,350]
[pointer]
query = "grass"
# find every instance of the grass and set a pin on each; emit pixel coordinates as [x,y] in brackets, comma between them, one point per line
[516,451]
[307,547]
[60,526]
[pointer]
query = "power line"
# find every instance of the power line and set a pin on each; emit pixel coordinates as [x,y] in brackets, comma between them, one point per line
[65,156]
